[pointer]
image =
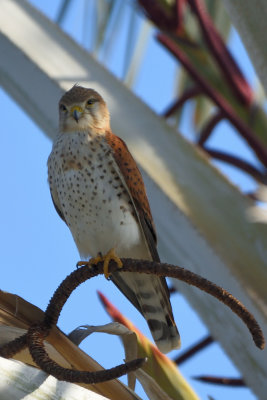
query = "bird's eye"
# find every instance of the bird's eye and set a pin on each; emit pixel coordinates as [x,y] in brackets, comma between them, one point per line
[62,108]
[90,102]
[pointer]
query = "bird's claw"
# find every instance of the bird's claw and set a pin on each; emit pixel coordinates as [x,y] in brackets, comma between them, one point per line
[111,255]
[81,264]
[92,261]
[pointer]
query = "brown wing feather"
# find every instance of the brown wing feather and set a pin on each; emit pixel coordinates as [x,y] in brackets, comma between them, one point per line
[135,184]
[133,179]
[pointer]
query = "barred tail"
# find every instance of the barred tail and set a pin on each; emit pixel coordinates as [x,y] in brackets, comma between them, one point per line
[149,294]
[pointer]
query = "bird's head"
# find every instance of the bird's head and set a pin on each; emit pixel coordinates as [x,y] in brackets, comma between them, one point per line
[82,109]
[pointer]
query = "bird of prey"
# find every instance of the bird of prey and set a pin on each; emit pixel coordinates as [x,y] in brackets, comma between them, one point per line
[97,189]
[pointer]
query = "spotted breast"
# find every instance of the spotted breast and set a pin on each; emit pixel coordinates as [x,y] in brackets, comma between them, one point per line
[93,199]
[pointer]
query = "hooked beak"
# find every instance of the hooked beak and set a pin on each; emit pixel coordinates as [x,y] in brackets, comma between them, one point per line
[76,112]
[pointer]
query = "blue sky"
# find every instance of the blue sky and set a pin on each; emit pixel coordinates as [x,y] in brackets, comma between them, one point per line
[38,250]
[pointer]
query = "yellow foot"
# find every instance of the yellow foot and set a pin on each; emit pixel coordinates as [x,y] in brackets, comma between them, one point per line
[106,259]
[110,256]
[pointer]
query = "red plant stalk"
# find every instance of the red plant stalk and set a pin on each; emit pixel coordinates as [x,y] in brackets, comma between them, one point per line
[187,95]
[238,163]
[223,57]
[179,5]
[159,15]
[243,129]
[208,128]
[202,344]
[234,382]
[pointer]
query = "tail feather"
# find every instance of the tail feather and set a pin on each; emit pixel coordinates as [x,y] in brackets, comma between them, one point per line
[148,294]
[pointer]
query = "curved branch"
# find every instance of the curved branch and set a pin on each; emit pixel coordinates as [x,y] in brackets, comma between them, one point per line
[38,332]
[202,344]
[238,163]
[9,349]
[219,100]
[187,95]
[172,271]
[222,55]
[35,337]
[208,128]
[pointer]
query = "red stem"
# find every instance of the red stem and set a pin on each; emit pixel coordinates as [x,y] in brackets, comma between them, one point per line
[244,130]
[179,5]
[187,95]
[236,382]
[161,18]
[238,163]
[208,128]
[223,57]
[194,350]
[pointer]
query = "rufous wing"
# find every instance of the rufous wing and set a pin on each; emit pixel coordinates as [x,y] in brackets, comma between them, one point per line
[134,183]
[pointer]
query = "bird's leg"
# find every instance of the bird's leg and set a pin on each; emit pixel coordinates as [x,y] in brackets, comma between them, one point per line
[111,255]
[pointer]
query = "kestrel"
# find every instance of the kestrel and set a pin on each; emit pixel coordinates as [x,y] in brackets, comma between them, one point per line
[97,189]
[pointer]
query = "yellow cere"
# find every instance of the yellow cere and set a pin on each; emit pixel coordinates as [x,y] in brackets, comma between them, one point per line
[76,108]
